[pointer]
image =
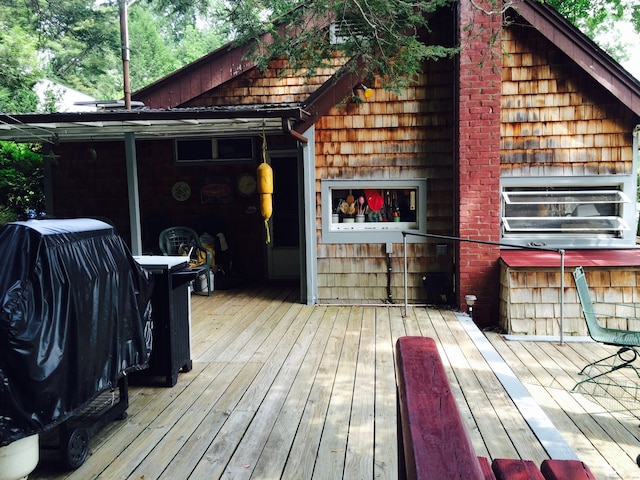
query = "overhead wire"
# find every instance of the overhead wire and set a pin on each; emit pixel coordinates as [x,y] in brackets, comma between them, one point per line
[28,132]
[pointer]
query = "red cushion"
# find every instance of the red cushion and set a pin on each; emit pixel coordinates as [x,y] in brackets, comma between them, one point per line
[507,469]
[566,470]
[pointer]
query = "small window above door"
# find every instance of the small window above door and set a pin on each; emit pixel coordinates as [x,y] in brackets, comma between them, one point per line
[202,151]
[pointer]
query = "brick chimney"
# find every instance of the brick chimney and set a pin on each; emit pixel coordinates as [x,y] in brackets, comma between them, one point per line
[479,91]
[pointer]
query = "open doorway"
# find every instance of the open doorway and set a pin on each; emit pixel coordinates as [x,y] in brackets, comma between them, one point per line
[283,253]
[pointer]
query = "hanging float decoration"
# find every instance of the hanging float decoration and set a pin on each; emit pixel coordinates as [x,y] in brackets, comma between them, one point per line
[264,176]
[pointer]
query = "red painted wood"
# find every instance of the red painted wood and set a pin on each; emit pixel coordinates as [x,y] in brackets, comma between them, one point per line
[572,258]
[485,466]
[566,470]
[434,439]
[507,469]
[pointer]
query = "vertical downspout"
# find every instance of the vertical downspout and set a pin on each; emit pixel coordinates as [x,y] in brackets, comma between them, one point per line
[634,169]
[388,249]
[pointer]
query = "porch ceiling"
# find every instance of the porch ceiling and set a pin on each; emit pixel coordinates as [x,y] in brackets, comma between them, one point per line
[148,124]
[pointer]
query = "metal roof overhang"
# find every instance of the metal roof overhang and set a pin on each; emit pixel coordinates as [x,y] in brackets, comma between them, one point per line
[149,124]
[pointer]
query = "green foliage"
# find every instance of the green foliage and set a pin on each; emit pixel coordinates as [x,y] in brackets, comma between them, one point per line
[77,44]
[160,44]
[21,181]
[18,70]
[597,18]
[385,33]
[589,14]
[151,57]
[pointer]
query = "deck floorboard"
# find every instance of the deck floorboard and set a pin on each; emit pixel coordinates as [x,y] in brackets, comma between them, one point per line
[281,390]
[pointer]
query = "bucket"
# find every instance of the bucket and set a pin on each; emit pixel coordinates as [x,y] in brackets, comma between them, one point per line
[19,458]
[202,282]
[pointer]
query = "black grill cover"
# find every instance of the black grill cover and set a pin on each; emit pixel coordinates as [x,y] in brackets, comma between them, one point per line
[75,316]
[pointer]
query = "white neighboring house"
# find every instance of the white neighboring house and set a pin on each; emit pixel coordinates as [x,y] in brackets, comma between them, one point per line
[66,97]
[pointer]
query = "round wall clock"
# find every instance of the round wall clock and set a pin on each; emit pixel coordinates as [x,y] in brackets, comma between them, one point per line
[246,184]
[181,191]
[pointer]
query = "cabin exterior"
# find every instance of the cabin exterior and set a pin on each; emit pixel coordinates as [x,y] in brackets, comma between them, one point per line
[529,142]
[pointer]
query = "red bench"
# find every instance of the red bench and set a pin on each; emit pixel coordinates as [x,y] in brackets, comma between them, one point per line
[433,442]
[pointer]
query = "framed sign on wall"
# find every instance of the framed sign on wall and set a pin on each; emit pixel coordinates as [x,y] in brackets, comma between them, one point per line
[216,190]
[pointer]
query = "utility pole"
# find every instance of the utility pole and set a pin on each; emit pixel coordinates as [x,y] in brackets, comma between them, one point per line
[129,140]
[124,40]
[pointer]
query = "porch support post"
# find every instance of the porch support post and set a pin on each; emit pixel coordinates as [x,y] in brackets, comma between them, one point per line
[134,198]
[309,283]
[48,158]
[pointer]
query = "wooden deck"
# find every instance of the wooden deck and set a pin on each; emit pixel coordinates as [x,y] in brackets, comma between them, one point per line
[283,390]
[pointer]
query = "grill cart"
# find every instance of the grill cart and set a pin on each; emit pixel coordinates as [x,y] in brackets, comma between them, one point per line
[75,319]
[171,351]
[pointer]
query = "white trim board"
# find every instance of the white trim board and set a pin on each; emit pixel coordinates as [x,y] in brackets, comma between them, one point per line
[549,436]
[548,338]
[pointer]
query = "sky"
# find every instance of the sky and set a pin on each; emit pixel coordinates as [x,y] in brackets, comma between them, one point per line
[633,65]
[624,30]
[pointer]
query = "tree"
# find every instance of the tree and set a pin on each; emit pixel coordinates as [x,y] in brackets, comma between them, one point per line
[597,19]
[18,70]
[77,43]
[385,33]
[21,182]
[162,41]
[151,56]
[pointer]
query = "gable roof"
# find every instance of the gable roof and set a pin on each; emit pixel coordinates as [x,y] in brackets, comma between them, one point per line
[164,116]
[593,60]
[196,78]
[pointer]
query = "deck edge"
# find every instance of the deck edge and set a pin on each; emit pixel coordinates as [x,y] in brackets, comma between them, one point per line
[551,439]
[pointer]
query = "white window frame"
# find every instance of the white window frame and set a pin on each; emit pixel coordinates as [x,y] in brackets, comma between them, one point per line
[566,211]
[372,232]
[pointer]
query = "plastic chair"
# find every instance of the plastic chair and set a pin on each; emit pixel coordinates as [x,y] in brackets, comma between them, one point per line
[627,340]
[184,240]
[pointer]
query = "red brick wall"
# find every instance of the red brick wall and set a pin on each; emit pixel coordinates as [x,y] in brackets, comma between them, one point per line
[479,158]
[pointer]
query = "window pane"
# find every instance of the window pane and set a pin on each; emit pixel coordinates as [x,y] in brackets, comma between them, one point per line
[565,224]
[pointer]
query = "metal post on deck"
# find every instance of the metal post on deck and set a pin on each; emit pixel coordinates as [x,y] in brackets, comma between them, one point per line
[406,295]
[485,242]
[561,252]
[134,193]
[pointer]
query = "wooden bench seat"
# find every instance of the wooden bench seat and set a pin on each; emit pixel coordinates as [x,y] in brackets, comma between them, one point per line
[433,442]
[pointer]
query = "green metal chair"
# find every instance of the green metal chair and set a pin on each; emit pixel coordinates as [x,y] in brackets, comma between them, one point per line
[627,340]
[185,241]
